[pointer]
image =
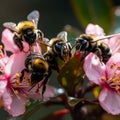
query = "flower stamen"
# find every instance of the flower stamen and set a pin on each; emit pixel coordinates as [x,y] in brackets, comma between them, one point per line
[103,79]
[114,82]
[112,65]
[1,51]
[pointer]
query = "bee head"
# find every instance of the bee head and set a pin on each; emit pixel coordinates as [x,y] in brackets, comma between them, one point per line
[81,44]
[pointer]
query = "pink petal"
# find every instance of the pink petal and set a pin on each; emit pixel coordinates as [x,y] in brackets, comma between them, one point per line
[3,84]
[16,63]
[3,62]
[26,47]
[17,106]
[94,30]
[110,101]
[50,92]
[7,99]
[7,40]
[114,44]
[115,62]
[36,48]
[93,68]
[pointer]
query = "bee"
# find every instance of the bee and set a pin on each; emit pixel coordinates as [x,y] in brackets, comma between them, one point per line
[26,30]
[58,47]
[88,43]
[39,69]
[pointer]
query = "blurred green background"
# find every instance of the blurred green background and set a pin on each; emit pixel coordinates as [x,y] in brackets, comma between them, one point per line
[56,14]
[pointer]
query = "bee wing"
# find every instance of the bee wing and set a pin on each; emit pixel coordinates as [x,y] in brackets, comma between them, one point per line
[11,26]
[34,16]
[45,42]
[63,35]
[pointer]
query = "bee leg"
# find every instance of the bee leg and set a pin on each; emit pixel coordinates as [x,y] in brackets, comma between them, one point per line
[18,42]
[45,81]
[32,87]
[85,53]
[40,35]
[52,62]
[62,58]
[56,67]
[22,74]
[99,54]
[70,54]
[62,53]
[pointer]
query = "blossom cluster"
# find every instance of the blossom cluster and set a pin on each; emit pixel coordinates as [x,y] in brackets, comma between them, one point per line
[15,93]
[105,75]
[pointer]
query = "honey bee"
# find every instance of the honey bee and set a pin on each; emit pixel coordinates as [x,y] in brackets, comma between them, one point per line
[58,47]
[26,30]
[88,43]
[39,69]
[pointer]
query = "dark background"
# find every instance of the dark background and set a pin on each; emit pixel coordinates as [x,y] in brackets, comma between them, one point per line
[54,14]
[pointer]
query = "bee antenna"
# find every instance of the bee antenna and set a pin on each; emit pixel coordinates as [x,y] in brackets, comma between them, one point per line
[105,37]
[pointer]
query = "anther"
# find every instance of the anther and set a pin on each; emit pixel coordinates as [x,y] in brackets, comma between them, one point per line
[18,75]
[118,68]
[103,78]
[112,65]
[16,92]
[25,95]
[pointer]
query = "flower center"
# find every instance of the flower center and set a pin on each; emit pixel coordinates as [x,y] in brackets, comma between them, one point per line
[18,86]
[114,81]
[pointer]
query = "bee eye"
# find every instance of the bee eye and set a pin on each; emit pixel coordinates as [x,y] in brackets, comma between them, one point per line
[84,44]
[81,44]
[58,46]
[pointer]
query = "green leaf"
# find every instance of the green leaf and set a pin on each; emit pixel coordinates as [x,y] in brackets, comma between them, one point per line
[110,117]
[71,75]
[94,11]
[36,108]
[33,108]
[73,101]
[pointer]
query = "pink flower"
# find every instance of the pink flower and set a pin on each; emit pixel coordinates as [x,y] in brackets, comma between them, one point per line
[8,92]
[95,30]
[7,40]
[13,93]
[107,76]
